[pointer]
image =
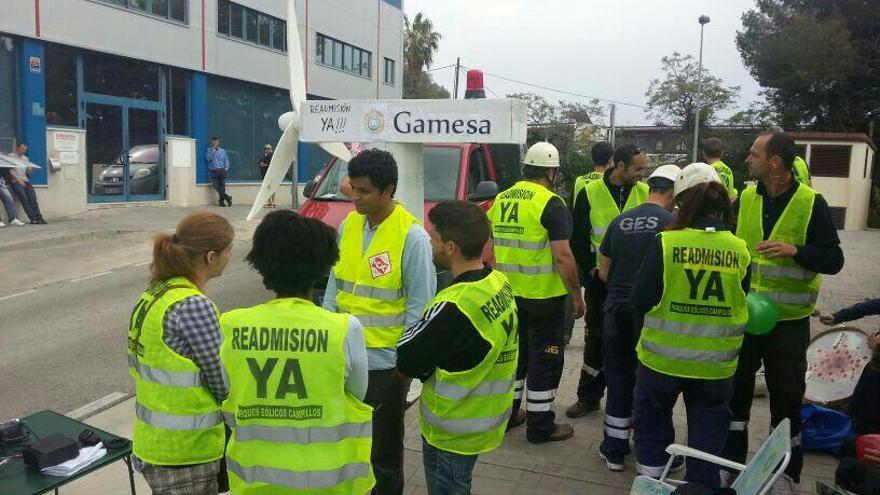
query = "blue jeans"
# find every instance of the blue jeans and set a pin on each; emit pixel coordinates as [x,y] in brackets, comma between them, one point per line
[8,202]
[622,326]
[708,418]
[447,473]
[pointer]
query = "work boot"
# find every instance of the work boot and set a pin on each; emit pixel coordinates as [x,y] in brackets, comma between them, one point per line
[581,408]
[613,463]
[228,200]
[563,431]
[517,420]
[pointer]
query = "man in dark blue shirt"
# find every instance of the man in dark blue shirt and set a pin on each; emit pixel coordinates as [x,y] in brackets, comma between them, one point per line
[621,253]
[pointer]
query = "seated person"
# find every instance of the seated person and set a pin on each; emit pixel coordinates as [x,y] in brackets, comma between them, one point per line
[861,476]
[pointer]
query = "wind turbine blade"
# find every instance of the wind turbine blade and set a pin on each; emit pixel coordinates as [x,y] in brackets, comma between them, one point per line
[339,150]
[285,153]
[296,64]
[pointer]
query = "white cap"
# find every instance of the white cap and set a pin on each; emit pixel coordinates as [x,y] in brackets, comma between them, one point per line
[695,174]
[670,172]
[542,154]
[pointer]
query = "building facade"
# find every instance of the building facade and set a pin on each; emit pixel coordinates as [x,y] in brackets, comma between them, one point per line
[97,88]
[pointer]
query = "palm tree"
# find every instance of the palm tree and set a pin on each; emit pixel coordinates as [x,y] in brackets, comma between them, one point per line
[420,41]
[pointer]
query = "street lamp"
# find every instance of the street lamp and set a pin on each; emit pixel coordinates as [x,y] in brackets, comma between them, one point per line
[704,19]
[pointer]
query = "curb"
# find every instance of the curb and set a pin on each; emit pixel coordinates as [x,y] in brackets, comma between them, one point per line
[60,240]
[98,406]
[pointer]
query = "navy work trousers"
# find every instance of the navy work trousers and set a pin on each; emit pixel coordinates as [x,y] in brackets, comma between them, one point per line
[541,359]
[622,327]
[591,386]
[708,417]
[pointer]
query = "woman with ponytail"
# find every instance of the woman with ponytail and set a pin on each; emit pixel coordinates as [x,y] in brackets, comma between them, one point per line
[692,289]
[173,354]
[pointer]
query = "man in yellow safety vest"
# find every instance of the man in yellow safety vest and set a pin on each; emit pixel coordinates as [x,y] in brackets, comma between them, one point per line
[384,278]
[788,229]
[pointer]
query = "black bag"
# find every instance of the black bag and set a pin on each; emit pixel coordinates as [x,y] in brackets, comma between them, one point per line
[50,451]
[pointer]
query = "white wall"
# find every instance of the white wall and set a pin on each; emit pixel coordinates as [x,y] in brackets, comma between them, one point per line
[852,193]
[101,27]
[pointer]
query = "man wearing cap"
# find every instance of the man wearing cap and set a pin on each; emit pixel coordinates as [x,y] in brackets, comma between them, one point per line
[531,228]
[620,255]
[595,206]
[692,288]
[788,229]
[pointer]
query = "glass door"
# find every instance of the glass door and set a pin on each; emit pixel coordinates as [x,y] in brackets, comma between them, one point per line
[146,171]
[105,153]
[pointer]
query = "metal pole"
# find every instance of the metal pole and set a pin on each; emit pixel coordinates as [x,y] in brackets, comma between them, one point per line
[457,69]
[613,125]
[699,92]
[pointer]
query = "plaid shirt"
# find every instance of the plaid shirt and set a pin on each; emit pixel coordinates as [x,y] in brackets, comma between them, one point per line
[192,329]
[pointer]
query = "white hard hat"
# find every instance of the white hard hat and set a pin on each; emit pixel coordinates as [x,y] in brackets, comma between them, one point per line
[542,154]
[695,174]
[670,172]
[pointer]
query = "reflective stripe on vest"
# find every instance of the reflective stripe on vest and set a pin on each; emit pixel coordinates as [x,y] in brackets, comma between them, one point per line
[521,243]
[603,208]
[314,434]
[526,270]
[299,479]
[169,378]
[703,356]
[370,279]
[457,392]
[177,421]
[793,288]
[696,329]
[474,425]
[369,292]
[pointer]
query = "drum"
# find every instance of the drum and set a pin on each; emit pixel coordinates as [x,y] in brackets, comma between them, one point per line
[835,360]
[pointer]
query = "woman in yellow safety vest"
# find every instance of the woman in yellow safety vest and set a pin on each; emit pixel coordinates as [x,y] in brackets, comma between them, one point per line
[173,354]
[297,374]
[692,289]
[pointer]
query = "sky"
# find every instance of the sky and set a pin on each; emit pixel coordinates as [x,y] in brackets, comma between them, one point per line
[609,49]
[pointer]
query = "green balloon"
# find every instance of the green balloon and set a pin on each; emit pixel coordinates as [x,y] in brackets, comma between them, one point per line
[763,314]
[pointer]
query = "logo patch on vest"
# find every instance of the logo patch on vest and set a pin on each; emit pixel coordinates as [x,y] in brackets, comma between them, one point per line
[380,265]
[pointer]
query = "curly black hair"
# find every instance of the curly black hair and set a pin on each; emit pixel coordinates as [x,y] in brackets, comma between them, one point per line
[292,252]
[376,164]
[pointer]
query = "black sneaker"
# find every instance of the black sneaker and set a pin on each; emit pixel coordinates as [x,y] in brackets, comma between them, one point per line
[580,409]
[518,420]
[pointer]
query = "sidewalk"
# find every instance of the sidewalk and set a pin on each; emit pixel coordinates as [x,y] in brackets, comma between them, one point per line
[570,467]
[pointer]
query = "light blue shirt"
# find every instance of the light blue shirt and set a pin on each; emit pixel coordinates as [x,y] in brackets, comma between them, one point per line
[217,159]
[419,285]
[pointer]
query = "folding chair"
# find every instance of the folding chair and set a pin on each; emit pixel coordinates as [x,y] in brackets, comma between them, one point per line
[756,478]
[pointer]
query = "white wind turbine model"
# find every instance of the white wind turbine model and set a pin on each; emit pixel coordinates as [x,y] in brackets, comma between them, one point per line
[286,149]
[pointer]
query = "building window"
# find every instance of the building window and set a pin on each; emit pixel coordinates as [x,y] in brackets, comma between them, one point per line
[173,10]
[244,116]
[830,160]
[245,24]
[343,56]
[117,76]
[389,71]
[658,147]
[177,94]
[8,100]
[61,104]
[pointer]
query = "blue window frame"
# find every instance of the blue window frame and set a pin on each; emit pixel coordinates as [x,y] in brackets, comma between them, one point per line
[251,26]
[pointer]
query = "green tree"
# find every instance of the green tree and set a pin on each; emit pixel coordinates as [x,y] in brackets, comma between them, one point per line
[571,126]
[759,115]
[420,42]
[672,100]
[816,60]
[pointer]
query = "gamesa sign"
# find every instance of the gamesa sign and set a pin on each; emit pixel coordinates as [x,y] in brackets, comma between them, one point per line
[414,121]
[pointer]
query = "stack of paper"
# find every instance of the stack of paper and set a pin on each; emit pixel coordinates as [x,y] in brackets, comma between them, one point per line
[86,456]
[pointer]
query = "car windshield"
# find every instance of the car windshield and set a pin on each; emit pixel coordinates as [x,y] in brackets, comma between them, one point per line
[142,153]
[441,175]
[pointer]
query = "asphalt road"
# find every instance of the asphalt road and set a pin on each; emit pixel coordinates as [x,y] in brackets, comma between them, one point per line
[64,344]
